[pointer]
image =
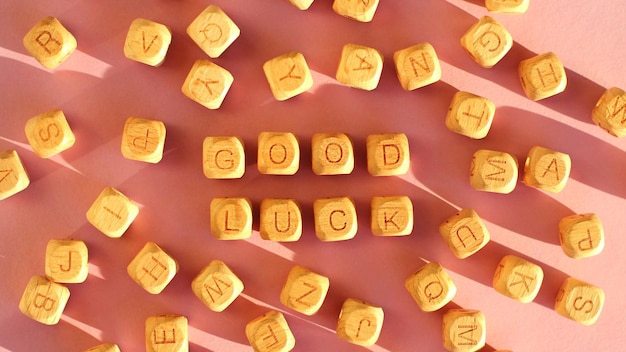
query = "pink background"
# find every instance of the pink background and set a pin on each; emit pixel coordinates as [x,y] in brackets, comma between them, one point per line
[98,89]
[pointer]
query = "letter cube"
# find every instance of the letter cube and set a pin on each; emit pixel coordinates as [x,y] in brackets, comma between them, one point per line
[487,42]
[388,154]
[493,171]
[281,220]
[431,287]
[270,332]
[332,154]
[67,261]
[105,347]
[470,115]
[304,290]
[112,212]
[213,31]
[542,76]
[49,133]
[288,75]
[507,6]
[581,235]
[518,278]
[335,219]
[152,268]
[231,218]
[301,4]
[167,333]
[147,42]
[547,169]
[417,66]
[44,300]
[360,67]
[465,233]
[464,330]
[392,216]
[610,112]
[278,153]
[216,286]
[13,176]
[360,10]
[359,322]
[207,84]
[143,140]
[49,42]
[579,301]
[223,157]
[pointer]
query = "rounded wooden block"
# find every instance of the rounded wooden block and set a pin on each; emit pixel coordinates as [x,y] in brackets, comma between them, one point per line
[44,300]
[332,154]
[464,233]
[213,31]
[147,42]
[579,301]
[359,10]
[13,176]
[231,218]
[493,171]
[143,140]
[49,42]
[359,322]
[518,278]
[392,216]
[470,115]
[278,153]
[302,4]
[288,75]
[464,330]
[547,169]
[112,212]
[281,220]
[152,268]
[417,66]
[542,76]
[217,286]
[581,235]
[67,261]
[207,84]
[49,133]
[610,112]
[360,67]
[335,219]
[510,6]
[223,157]
[167,333]
[105,347]
[487,42]
[431,287]
[270,333]
[304,291]
[388,154]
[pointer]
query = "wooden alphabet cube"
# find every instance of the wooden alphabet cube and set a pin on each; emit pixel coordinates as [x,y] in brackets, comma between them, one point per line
[216,286]
[610,112]
[542,76]
[304,290]
[518,278]
[49,42]
[270,333]
[223,157]
[431,287]
[44,300]
[67,261]
[493,171]
[147,42]
[547,169]
[360,67]
[579,301]
[335,219]
[143,140]
[231,218]
[213,31]
[301,4]
[49,133]
[464,330]
[288,75]
[105,347]
[487,42]
[359,322]
[281,220]
[112,212]
[388,154]
[417,66]
[13,176]
[465,233]
[278,153]
[581,235]
[470,115]
[392,216]
[360,10]
[507,6]
[167,333]
[152,268]
[332,153]
[207,84]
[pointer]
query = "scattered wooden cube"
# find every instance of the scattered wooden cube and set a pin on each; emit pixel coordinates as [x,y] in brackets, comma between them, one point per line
[143,140]
[270,332]
[152,268]
[278,153]
[359,322]
[213,31]
[44,300]
[507,6]
[610,112]
[579,301]
[547,169]
[388,154]
[301,4]
[304,290]
[13,176]
[465,233]
[464,330]
[288,75]
[147,42]
[360,10]
[360,67]
[487,42]
[542,76]
[223,157]
[217,286]
[112,212]
[167,333]
[335,219]
[518,278]
[281,220]
[392,216]
[67,261]
[49,42]
[333,154]
[105,347]
[431,287]
[470,115]
[231,218]
[207,84]
[581,235]
[49,133]
[417,66]
[493,171]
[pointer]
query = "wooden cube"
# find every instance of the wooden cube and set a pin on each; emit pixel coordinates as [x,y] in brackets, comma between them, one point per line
[581,235]
[388,154]
[147,42]
[207,84]
[487,42]
[493,171]
[270,332]
[44,300]
[301,4]
[332,153]
[67,261]
[213,31]
[335,219]
[431,287]
[304,290]
[49,42]
[470,115]
[392,216]
[542,76]
[360,10]
[152,268]
[216,286]
[49,133]
[281,220]
[288,75]
[579,301]
[465,233]
[417,66]
[359,322]
[518,278]
[507,6]
[278,153]
[112,212]
[13,176]
[223,157]
[143,140]
[167,333]
[105,347]
[231,218]
[360,67]
[547,169]
[610,112]
[464,330]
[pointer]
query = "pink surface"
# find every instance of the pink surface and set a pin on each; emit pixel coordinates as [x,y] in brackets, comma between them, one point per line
[98,89]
